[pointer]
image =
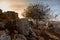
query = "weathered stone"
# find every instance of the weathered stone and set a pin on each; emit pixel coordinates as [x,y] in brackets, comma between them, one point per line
[19,37]
[4,36]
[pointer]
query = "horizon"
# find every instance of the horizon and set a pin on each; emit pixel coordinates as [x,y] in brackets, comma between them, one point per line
[20,5]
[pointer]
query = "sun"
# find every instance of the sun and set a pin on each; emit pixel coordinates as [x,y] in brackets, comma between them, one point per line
[4,7]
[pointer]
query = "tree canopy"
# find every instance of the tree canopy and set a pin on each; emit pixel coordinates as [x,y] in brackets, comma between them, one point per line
[37,11]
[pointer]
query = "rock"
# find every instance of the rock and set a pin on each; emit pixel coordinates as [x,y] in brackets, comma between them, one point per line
[24,27]
[41,38]
[19,37]
[5,37]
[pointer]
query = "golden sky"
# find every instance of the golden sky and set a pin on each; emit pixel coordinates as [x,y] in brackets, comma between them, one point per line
[14,5]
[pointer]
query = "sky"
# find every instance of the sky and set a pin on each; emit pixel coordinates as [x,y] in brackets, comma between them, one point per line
[53,4]
[20,5]
[14,5]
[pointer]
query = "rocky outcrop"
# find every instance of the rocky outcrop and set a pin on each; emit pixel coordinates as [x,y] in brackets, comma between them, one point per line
[13,28]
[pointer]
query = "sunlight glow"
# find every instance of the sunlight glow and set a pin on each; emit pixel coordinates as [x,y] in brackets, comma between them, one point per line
[20,13]
[4,7]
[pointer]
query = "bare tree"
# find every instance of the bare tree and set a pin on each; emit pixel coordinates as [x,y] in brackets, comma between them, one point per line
[37,11]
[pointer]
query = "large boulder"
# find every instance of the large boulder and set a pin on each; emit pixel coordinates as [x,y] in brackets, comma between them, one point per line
[4,36]
[25,28]
[2,25]
[19,37]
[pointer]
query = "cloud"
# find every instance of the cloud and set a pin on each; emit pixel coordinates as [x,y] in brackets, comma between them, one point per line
[18,5]
[15,5]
